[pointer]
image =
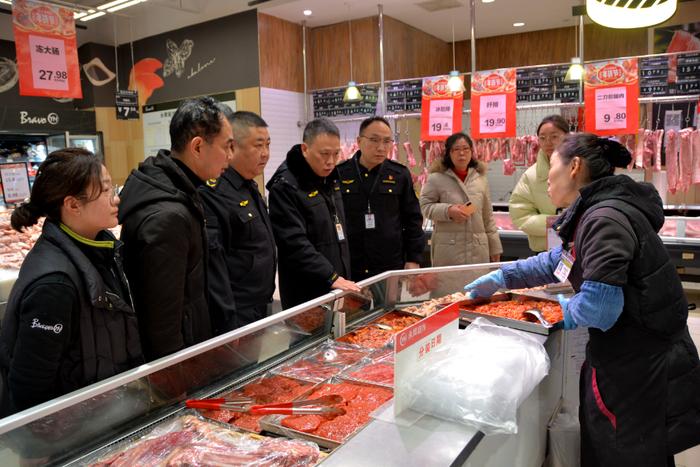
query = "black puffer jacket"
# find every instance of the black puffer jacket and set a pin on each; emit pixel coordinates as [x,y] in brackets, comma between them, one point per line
[165,256]
[614,228]
[303,210]
[69,321]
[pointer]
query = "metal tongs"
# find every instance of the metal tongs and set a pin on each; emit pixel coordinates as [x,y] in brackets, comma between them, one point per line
[320,406]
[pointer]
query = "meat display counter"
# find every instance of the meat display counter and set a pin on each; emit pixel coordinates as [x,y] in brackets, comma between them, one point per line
[298,353]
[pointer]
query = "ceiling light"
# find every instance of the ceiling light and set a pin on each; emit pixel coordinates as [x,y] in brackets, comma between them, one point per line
[111,4]
[307,12]
[125,5]
[79,15]
[455,83]
[575,72]
[7,2]
[487,1]
[93,16]
[519,24]
[352,94]
[622,16]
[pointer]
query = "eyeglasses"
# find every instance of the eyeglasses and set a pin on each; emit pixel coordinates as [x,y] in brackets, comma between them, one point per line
[113,193]
[378,141]
[552,138]
[461,149]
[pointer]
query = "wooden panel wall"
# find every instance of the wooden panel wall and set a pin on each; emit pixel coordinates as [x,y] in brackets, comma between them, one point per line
[551,46]
[123,143]
[329,53]
[410,52]
[280,49]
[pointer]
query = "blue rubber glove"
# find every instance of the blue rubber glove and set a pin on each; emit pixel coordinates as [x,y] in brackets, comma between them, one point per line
[568,320]
[486,285]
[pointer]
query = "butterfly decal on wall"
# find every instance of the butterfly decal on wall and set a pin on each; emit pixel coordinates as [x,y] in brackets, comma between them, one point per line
[175,63]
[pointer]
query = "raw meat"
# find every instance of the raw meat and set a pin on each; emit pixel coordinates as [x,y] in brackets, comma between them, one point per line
[672,160]
[514,309]
[410,157]
[374,337]
[685,160]
[658,138]
[189,441]
[695,142]
[318,364]
[508,167]
[379,372]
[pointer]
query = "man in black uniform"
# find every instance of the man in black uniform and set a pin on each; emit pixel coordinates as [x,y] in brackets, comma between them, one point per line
[241,244]
[308,221]
[165,244]
[385,225]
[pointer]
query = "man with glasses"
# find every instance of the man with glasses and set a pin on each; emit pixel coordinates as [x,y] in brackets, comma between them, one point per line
[308,220]
[163,228]
[241,244]
[385,225]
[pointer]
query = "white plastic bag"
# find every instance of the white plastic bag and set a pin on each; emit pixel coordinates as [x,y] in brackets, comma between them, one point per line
[482,378]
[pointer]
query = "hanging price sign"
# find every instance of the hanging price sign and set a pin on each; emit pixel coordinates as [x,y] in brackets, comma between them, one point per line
[493,104]
[127,105]
[47,54]
[441,109]
[611,92]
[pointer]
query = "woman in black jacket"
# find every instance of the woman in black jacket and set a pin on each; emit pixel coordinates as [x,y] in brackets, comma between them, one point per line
[640,383]
[69,320]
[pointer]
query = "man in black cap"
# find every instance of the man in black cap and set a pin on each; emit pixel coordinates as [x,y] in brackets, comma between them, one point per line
[242,256]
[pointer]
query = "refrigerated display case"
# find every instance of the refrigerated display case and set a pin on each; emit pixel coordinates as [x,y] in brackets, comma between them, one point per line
[82,426]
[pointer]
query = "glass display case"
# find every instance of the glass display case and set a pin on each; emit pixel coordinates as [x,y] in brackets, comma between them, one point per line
[79,427]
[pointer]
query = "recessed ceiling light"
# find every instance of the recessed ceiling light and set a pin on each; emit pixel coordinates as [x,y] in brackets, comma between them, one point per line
[307,12]
[487,1]
[519,25]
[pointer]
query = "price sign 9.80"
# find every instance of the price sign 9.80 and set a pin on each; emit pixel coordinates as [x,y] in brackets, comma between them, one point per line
[611,108]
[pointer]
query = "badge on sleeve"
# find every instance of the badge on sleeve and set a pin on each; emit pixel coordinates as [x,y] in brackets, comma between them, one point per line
[566,262]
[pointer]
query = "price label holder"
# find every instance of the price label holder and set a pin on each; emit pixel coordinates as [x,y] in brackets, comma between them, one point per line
[15,182]
[127,104]
[611,108]
[413,352]
[440,117]
[492,113]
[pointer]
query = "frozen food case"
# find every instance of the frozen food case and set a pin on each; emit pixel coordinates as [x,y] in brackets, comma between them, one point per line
[139,406]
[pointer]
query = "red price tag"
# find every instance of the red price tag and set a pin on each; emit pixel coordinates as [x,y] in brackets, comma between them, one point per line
[49,68]
[611,108]
[492,113]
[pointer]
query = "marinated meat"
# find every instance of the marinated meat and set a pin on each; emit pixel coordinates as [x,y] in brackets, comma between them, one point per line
[267,390]
[380,372]
[374,337]
[434,305]
[359,402]
[514,309]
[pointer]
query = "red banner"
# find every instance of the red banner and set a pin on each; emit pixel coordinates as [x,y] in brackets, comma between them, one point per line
[611,93]
[47,54]
[441,109]
[493,104]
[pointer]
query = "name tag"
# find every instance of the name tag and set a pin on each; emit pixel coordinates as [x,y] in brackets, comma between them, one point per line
[564,267]
[369,221]
[339,231]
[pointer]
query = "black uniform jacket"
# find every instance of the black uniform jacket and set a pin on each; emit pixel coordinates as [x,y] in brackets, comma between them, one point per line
[69,321]
[397,236]
[304,209]
[165,252]
[242,257]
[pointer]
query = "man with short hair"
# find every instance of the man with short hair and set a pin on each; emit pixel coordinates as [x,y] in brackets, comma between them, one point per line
[385,224]
[242,256]
[163,228]
[308,221]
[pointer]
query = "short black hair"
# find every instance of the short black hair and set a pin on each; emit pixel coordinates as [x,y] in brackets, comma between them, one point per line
[601,155]
[451,141]
[368,121]
[558,121]
[242,121]
[200,116]
[319,126]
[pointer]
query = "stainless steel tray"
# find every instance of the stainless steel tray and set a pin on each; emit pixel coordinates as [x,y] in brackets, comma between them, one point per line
[535,327]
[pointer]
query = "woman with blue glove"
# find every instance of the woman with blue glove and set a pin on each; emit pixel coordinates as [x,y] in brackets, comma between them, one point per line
[640,383]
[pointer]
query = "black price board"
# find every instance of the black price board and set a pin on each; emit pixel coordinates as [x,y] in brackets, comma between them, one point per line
[545,83]
[127,104]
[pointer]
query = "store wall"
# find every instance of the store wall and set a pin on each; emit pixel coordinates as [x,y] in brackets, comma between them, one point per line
[281,62]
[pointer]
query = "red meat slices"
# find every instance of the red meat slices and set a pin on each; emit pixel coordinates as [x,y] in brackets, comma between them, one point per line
[303,423]
[380,372]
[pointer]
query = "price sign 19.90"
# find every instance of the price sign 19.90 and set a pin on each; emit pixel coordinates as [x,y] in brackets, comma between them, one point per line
[492,113]
[611,108]
[49,69]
